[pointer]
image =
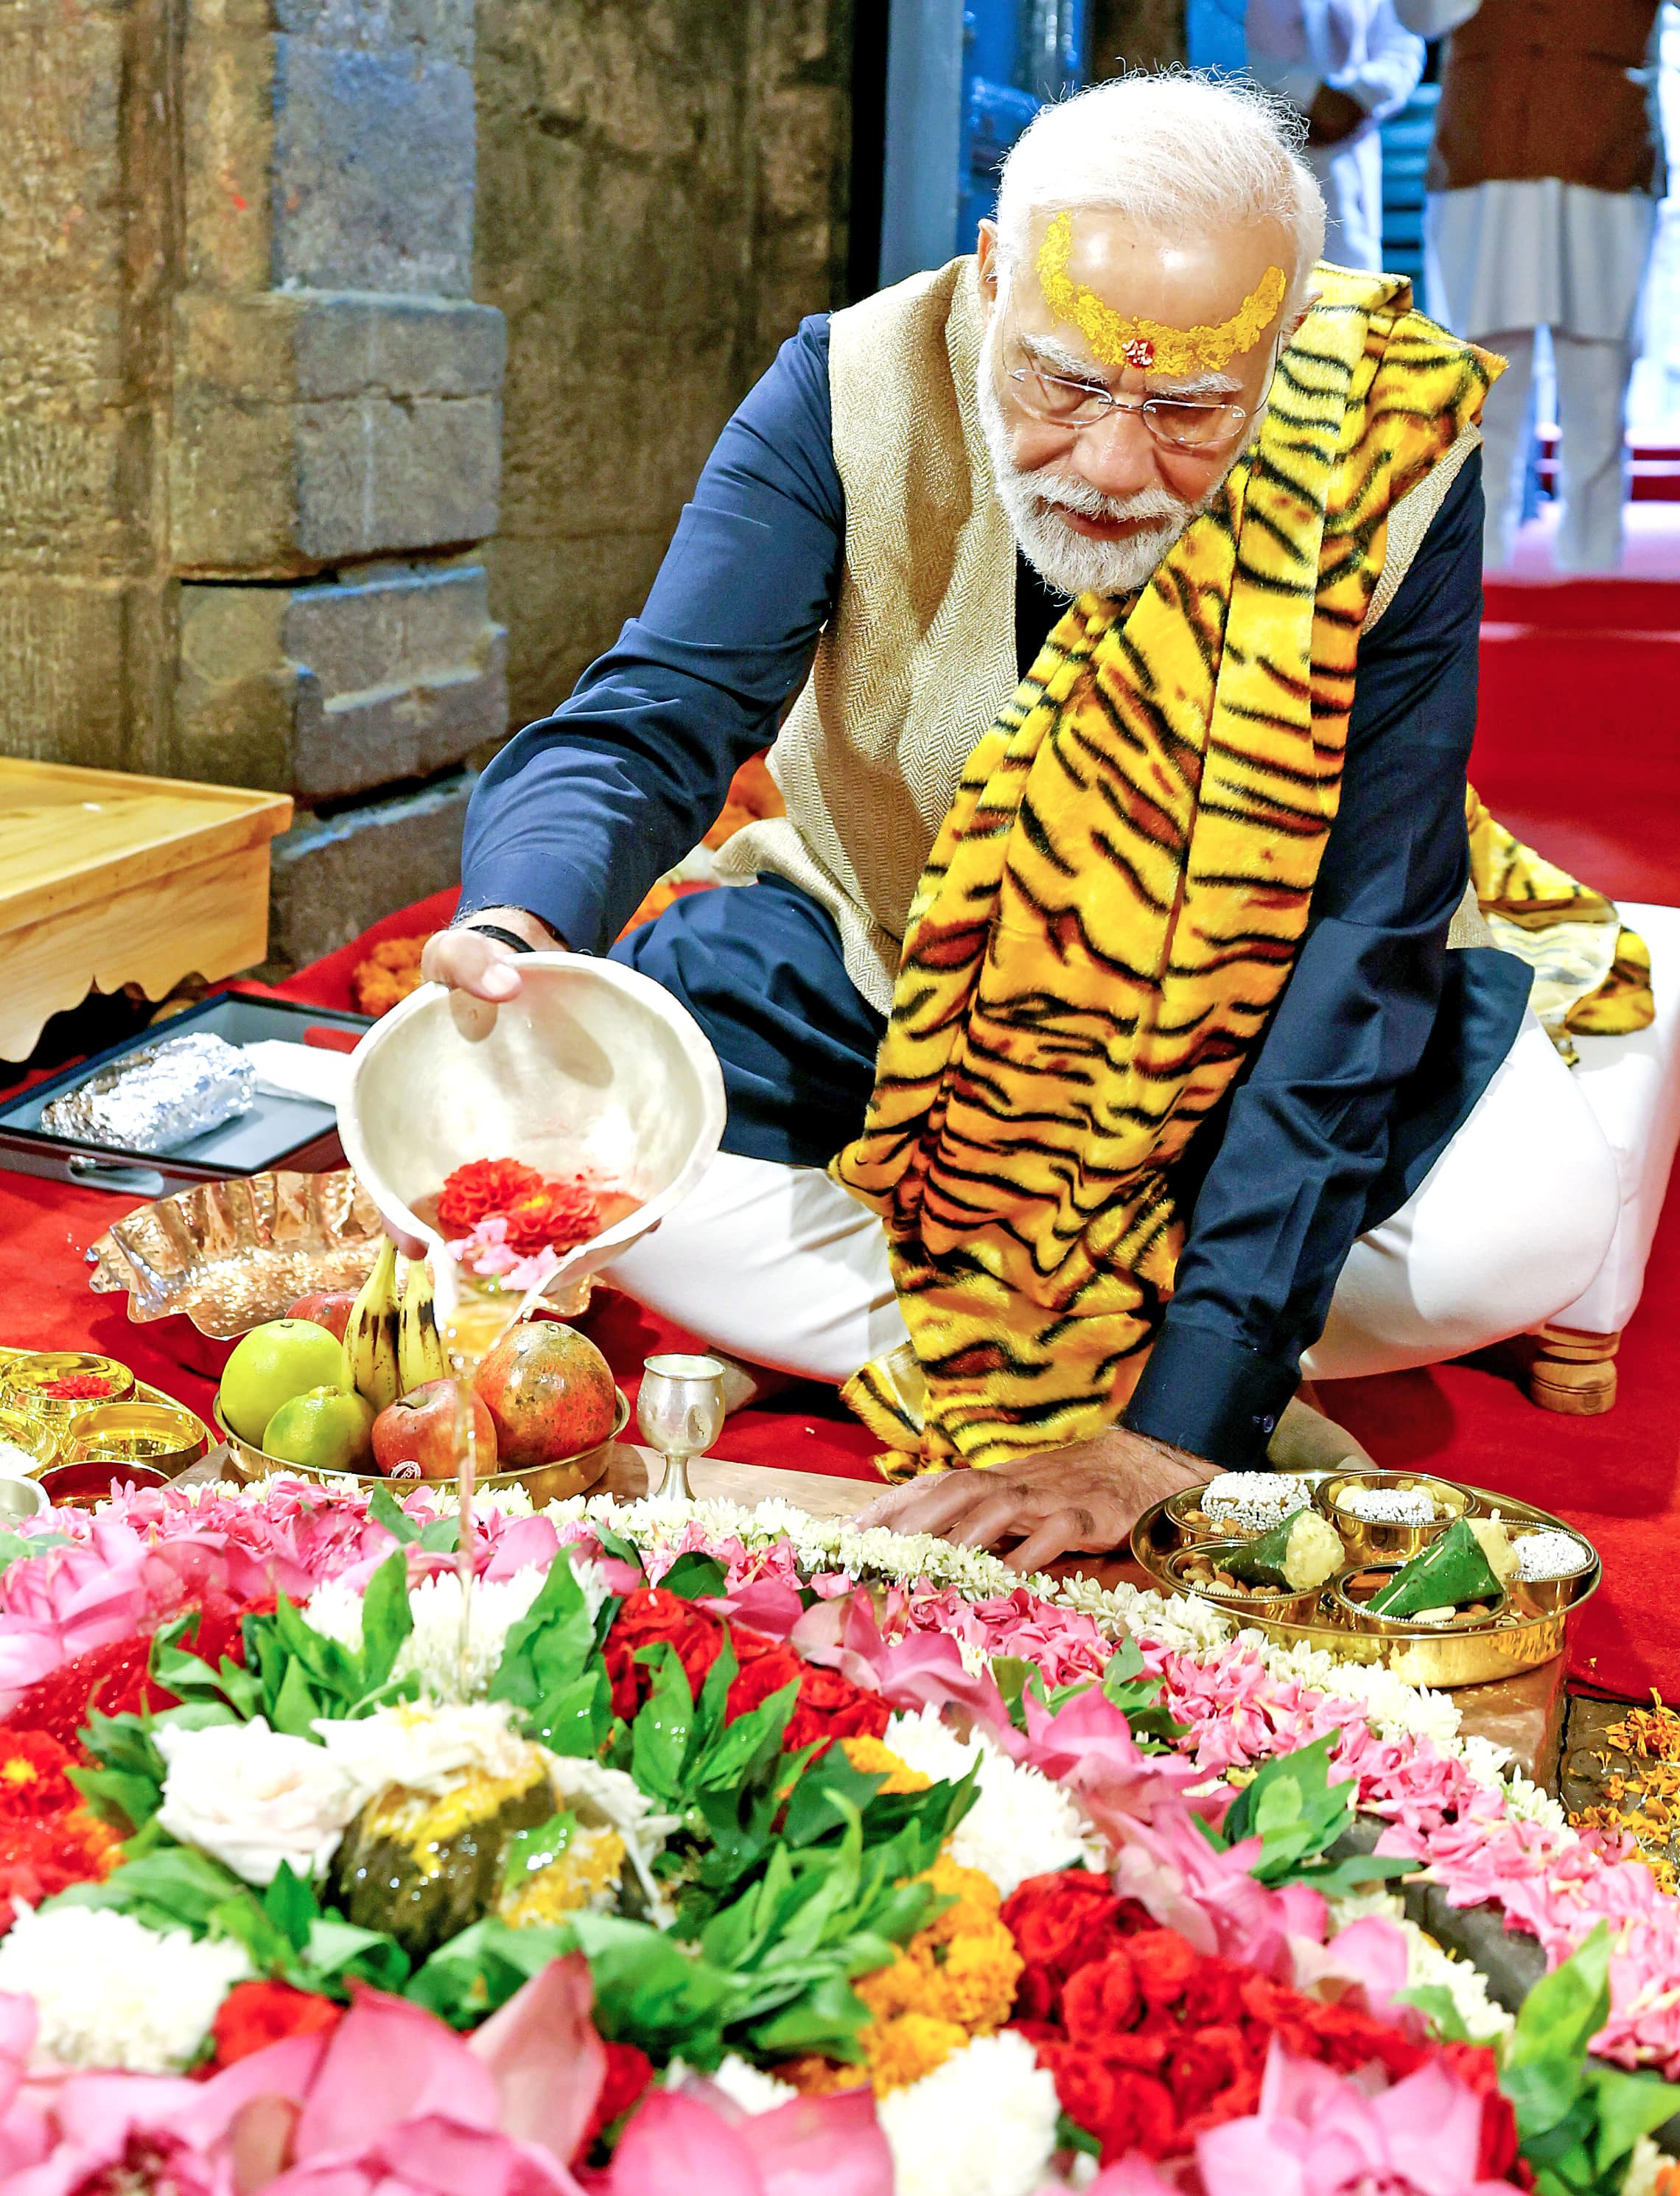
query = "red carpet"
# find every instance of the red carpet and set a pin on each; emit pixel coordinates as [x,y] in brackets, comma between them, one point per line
[1576,751]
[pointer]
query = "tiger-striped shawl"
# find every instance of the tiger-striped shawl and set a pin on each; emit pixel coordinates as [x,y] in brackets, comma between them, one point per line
[1115,899]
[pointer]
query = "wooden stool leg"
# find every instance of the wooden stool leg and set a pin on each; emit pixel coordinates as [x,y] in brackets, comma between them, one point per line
[1574,1373]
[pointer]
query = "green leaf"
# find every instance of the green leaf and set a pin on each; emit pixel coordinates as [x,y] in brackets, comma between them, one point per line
[290,1904]
[385,1510]
[576,1719]
[171,1887]
[551,1645]
[1292,1807]
[1629,2106]
[1440,2009]
[659,1738]
[441,1536]
[1567,2008]
[1070,2135]
[386,1619]
[295,1706]
[338,1950]
[615,1544]
[695,1577]
[527,1852]
[648,1988]
[466,1979]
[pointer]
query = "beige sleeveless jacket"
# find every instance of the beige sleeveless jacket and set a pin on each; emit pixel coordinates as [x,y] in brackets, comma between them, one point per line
[919,655]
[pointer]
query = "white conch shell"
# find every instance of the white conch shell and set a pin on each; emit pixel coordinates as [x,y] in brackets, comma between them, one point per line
[593,1068]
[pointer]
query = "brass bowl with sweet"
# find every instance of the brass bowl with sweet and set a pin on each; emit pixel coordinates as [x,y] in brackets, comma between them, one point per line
[1389,1516]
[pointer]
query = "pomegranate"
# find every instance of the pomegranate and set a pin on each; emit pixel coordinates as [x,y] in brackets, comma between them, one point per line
[414,1437]
[549,1392]
[330,1308]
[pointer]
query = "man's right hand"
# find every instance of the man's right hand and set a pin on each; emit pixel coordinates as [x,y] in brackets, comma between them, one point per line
[466,960]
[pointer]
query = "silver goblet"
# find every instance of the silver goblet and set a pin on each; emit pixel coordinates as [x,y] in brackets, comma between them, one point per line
[679,1409]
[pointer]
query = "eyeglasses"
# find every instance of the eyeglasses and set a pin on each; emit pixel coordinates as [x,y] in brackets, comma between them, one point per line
[1175,422]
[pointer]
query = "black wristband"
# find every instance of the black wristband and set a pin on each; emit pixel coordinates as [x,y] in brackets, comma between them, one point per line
[502,937]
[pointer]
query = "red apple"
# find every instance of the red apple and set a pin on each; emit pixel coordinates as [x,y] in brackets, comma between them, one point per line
[414,1437]
[330,1309]
[550,1391]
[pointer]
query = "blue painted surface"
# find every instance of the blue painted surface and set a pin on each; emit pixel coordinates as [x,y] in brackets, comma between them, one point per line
[1214,37]
[1016,54]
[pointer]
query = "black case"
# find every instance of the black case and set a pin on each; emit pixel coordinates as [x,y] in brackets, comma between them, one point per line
[294,1133]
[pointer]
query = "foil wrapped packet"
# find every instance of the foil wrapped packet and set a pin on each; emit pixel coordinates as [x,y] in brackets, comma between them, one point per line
[158,1097]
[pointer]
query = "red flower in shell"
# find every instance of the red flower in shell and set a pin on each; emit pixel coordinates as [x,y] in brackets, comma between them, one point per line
[76,1388]
[482,1187]
[255,2014]
[557,1214]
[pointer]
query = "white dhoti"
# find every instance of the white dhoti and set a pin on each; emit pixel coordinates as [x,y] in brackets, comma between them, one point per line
[779,1266]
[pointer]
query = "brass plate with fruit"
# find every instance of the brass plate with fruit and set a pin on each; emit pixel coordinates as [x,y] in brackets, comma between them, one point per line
[1526,1623]
[543,1482]
[360,1388]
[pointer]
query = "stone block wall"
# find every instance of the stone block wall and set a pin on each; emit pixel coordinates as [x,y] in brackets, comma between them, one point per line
[355,362]
[662,195]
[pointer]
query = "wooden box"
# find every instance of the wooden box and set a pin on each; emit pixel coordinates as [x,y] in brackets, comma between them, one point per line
[108,880]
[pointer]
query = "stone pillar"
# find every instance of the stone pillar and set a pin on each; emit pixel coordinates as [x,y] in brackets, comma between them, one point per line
[250,426]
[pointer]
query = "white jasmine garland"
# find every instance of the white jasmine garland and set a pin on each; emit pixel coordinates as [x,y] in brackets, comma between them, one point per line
[982,2124]
[111,1993]
[1021,1824]
[252,1797]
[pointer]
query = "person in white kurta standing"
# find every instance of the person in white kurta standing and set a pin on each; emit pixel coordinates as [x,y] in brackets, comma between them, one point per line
[1345,65]
[1544,186]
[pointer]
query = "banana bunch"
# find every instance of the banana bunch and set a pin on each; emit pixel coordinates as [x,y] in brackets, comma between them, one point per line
[419,1347]
[391,1342]
[371,1334]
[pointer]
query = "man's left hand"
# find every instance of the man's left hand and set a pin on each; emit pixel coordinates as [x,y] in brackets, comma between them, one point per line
[1089,1496]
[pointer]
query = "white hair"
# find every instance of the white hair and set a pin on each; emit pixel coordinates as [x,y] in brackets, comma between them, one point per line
[1176,151]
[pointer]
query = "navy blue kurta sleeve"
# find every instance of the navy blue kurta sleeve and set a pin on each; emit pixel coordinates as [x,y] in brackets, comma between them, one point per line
[1309,1130]
[581,813]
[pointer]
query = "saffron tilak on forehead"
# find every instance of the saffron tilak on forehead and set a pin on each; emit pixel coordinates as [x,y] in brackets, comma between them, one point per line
[1118,340]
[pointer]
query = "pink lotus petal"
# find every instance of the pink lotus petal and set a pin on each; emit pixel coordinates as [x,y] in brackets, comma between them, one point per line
[547,2059]
[676,2142]
[388,2061]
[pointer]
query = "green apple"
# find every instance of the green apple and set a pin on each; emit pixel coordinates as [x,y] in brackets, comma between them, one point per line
[271,1364]
[328,1428]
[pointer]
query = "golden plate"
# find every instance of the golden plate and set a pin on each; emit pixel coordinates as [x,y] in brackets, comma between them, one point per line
[1442,1661]
[230,1255]
[543,1482]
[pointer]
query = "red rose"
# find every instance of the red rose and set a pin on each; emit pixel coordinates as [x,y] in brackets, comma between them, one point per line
[33,1780]
[1102,1998]
[765,1667]
[1141,2117]
[629,2072]
[1060,1922]
[256,2014]
[831,1706]
[1084,2081]
[1206,2068]
[1165,1964]
[1476,2067]
[648,1616]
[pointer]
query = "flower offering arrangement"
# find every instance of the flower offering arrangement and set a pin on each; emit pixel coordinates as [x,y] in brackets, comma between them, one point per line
[738,1849]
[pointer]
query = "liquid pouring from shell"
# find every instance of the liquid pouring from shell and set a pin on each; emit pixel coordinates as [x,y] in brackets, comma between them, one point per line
[593,1073]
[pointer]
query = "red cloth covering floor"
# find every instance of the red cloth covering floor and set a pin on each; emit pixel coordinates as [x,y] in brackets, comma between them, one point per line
[1574,750]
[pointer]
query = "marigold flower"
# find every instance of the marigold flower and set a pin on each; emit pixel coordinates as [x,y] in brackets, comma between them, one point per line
[872,1759]
[901,2051]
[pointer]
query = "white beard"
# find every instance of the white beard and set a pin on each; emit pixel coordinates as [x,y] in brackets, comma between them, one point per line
[1074,563]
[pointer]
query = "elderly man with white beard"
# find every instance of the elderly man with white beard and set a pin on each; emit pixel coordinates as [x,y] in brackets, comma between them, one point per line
[1106,1037]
